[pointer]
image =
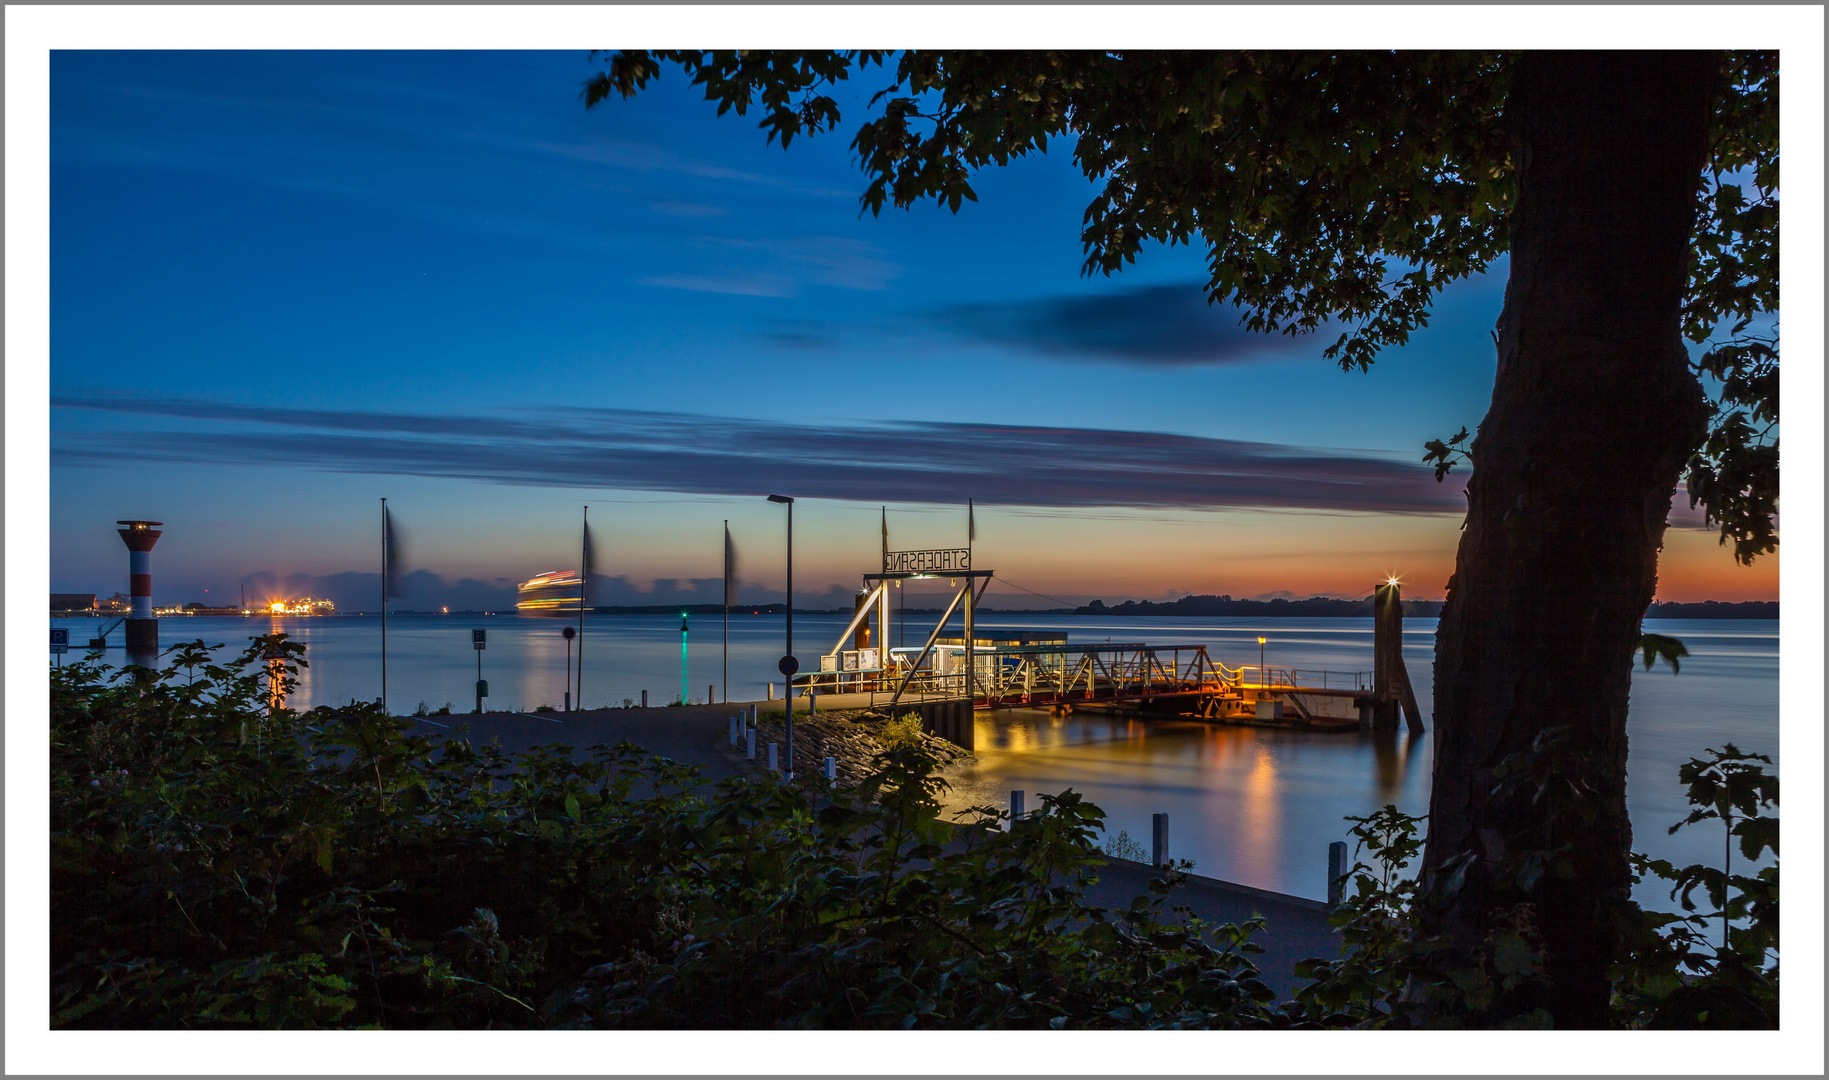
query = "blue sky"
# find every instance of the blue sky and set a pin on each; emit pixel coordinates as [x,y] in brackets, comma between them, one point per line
[287,284]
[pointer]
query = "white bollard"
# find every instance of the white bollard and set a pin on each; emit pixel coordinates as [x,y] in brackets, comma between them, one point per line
[771,691]
[733,731]
[831,771]
[774,763]
[752,744]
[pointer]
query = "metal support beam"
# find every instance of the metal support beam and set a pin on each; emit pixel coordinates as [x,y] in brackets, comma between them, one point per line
[931,638]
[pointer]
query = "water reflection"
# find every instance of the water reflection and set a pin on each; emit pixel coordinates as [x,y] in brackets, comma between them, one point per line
[1252,805]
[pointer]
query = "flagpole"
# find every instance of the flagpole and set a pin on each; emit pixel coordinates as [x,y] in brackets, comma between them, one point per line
[726,683]
[384,605]
[584,583]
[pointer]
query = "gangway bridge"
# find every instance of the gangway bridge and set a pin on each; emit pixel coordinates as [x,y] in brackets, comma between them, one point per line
[1046,670]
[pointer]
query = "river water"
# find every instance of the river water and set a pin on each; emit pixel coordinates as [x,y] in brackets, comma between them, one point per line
[1249,805]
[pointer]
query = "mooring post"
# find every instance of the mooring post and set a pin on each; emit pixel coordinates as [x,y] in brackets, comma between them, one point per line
[1159,839]
[644,699]
[774,759]
[1336,871]
[750,752]
[1015,807]
[812,703]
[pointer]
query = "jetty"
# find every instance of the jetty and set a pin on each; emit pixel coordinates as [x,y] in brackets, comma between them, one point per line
[1034,670]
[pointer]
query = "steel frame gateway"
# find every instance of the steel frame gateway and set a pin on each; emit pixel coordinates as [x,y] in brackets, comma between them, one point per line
[1005,674]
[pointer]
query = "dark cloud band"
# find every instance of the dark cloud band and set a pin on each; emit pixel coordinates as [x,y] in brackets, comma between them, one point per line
[897,462]
[1153,325]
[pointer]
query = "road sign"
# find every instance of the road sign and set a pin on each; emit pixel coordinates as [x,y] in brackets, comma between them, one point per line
[788,666]
[569,633]
[478,638]
[60,635]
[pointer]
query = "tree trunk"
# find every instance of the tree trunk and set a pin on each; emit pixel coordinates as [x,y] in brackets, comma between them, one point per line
[1594,412]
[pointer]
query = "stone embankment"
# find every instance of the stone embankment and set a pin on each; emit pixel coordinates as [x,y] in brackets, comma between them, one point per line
[853,736]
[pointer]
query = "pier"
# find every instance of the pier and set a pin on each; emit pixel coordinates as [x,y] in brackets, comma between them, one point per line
[1048,671]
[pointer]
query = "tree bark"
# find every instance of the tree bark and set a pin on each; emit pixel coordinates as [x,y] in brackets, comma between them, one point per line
[1594,412]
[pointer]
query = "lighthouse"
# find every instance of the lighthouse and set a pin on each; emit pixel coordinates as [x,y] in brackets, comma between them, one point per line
[142,627]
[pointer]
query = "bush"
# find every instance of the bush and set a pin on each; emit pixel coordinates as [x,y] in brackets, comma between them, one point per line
[216,864]
[1122,846]
[902,732]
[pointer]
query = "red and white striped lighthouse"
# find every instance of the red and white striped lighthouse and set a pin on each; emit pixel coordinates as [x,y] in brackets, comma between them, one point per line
[142,627]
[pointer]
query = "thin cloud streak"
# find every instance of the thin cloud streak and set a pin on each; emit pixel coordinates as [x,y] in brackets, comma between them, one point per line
[678,452]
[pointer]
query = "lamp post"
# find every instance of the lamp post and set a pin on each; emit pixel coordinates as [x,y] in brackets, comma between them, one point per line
[1263,677]
[788,664]
[683,700]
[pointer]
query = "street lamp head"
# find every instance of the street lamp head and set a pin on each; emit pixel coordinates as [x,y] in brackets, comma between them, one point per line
[1261,641]
[780,499]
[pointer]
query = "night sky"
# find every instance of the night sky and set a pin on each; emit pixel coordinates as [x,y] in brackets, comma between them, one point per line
[287,284]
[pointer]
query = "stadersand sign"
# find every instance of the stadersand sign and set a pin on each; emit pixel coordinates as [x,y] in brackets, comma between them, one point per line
[927,562]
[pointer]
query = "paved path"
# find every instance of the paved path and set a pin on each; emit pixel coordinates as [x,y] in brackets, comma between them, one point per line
[1295,928]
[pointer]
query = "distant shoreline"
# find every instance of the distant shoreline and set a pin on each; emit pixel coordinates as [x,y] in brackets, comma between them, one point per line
[1330,607]
[1318,607]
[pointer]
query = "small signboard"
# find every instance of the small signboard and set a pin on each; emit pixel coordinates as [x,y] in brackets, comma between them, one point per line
[60,635]
[927,562]
[478,638]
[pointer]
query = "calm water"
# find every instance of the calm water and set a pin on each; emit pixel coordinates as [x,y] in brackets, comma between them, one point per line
[1248,805]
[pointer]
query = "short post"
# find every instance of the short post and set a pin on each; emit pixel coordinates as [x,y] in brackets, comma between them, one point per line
[812,703]
[711,692]
[1159,839]
[1015,807]
[774,758]
[733,731]
[644,699]
[1336,872]
[771,691]
[751,751]
[831,772]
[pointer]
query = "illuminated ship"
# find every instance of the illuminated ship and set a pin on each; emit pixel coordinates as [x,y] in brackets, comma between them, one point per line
[552,593]
[304,605]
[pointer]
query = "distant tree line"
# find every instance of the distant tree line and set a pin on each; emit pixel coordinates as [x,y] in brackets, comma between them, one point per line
[1324,607]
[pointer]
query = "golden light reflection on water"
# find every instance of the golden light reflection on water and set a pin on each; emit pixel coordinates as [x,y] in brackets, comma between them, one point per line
[1249,805]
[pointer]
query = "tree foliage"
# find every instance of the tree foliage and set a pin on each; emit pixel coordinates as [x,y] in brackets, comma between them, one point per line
[1338,190]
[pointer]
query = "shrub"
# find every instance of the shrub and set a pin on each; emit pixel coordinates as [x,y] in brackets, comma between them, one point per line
[904,731]
[1122,846]
[217,866]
